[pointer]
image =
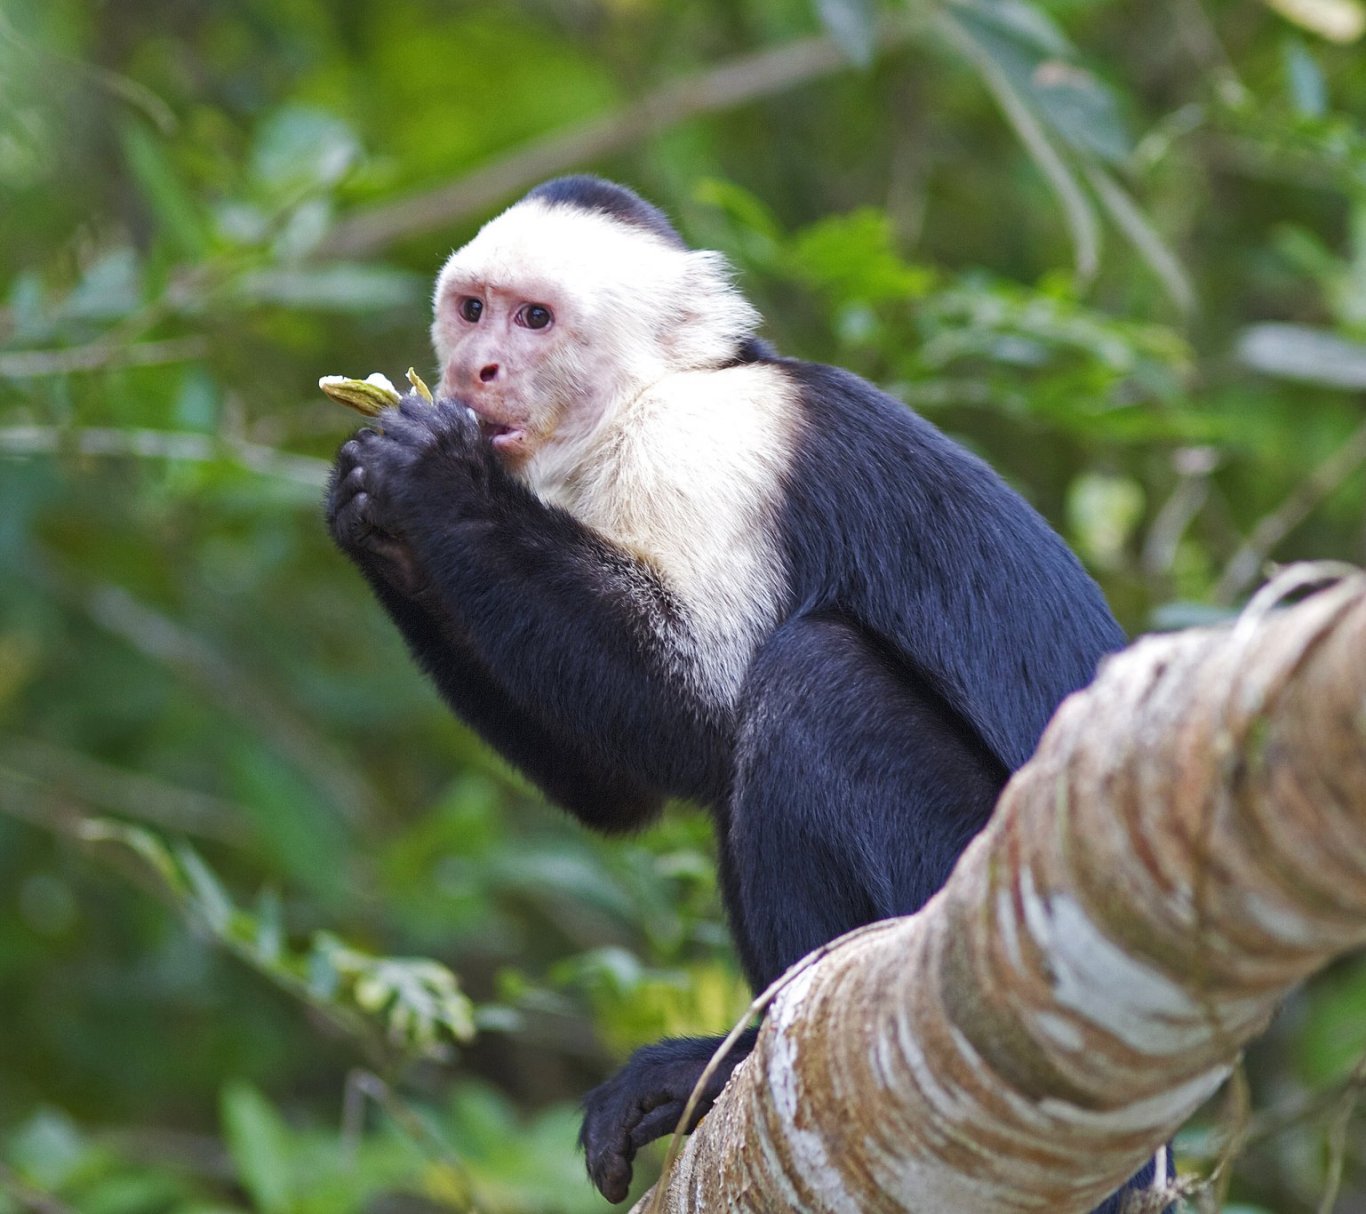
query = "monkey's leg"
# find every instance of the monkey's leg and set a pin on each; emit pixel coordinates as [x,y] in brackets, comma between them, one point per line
[856,790]
[853,793]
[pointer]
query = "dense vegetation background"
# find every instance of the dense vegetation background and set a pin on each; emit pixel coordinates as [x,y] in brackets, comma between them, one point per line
[1118,248]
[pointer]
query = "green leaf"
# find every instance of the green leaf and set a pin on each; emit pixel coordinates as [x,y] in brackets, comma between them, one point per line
[1075,103]
[270,928]
[142,841]
[1021,114]
[258,1141]
[110,289]
[1083,109]
[1104,512]
[854,256]
[338,287]
[208,896]
[1023,22]
[1304,79]
[1331,1040]
[299,147]
[853,26]
[28,307]
[323,975]
[1300,353]
[48,1148]
[1129,217]
[760,235]
[171,201]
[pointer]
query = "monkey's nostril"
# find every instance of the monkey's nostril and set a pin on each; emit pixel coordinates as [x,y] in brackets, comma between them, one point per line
[489,373]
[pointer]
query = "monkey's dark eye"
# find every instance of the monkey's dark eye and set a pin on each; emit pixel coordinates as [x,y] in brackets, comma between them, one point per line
[470,309]
[534,316]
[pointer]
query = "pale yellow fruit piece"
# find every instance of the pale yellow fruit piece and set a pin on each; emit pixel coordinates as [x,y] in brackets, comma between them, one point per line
[367,396]
[371,394]
[422,390]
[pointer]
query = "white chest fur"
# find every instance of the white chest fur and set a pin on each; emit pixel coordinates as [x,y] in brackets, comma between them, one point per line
[688,477]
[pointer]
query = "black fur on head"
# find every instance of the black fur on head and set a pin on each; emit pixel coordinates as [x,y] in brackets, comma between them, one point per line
[589,193]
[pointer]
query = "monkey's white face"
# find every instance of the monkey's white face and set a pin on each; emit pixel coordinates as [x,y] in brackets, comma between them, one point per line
[502,351]
[552,318]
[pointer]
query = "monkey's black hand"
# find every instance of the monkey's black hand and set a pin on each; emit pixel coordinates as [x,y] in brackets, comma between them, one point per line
[644,1100]
[420,462]
[357,524]
[428,456]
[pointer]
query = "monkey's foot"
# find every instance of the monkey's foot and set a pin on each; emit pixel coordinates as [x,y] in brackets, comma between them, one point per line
[645,1100]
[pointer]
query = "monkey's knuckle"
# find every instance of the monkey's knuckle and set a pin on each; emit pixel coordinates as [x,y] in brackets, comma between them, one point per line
[389,462]
[414,437]
[415,408]
[455,413]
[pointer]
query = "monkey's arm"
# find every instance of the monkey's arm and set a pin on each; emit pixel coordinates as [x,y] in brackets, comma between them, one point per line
[559,618]
[603,796]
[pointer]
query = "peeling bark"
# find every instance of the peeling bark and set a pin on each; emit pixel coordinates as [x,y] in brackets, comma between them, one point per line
[1188,843]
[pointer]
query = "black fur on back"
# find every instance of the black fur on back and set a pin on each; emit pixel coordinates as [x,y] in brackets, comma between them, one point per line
[588,193]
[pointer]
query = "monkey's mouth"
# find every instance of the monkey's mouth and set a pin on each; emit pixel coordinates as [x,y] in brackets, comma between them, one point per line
[500,435]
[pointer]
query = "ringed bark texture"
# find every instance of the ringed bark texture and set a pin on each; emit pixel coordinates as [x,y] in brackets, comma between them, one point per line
[1188,843]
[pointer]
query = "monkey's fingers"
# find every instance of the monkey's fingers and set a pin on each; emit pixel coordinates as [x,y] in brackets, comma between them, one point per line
[662,1121]
[606,1141]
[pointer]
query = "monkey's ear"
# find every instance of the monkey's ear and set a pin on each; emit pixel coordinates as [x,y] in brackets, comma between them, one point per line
[712,318]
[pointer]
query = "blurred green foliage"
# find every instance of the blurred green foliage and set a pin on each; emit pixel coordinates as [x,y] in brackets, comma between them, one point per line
[1120,250]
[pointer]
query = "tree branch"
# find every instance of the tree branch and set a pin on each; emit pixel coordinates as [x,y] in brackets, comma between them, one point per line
[740,80]
[163,444]
[1188,843]
[166,641]
[100,356]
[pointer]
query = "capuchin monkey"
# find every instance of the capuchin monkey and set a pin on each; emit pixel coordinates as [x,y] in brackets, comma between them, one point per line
[645,557]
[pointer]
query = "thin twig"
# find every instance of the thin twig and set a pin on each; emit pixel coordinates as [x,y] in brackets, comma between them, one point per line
[168,642]
[1303,1109]
[100,355]
[126,88]
[362,1085]
[1246,564]
[1081,217]
[163,444]
[1206,50]
[1194,466]
[1337,1136]
[1238,1118]
[146,798]
[740,80]
[64,815]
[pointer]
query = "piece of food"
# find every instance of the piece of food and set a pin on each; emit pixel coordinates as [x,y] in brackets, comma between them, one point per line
[371,394]
[422,390]
[367,396]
